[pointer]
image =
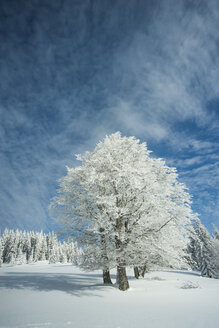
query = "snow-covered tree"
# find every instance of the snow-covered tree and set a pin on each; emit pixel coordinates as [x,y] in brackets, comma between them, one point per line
[118,202]
[216,247]
[21,256]
[62,254]
[205,253]
[216,233]
[10,247]
[53,252]
[42,247]
[28,249]
[20,241]
[191,257]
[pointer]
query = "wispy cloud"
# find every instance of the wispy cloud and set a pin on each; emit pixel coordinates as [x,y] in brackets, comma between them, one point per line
[172,66]
[73,72]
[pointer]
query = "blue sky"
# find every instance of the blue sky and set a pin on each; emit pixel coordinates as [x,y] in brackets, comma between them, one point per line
[72,71]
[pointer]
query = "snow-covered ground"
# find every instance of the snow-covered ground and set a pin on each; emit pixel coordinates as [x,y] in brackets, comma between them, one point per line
[43,295]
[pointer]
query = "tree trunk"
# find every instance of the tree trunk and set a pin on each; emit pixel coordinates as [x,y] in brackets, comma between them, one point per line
[106,277]
[142,270]
[106,272]
[136,272]
[122,279]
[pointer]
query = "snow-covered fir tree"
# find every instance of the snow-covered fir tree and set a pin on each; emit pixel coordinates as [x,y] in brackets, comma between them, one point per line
[216,247]
[216,233]
[52,248]
[204,251]
[123,206]
[10,247]
[21,256]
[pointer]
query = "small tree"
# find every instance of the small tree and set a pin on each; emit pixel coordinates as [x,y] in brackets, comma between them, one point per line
[117,203]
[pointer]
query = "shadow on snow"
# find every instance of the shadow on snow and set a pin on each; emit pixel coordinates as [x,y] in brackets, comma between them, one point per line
[75,284]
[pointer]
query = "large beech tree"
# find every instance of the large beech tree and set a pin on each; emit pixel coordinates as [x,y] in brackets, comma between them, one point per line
[123,206]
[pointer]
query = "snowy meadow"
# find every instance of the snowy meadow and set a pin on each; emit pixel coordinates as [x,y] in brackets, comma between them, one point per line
[61,295]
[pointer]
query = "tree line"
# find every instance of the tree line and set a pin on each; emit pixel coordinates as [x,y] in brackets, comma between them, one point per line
[20,247]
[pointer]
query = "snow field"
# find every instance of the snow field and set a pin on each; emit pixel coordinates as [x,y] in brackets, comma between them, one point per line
[60,295]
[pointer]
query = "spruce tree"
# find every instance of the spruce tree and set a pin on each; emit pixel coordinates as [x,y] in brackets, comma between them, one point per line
[205,251]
